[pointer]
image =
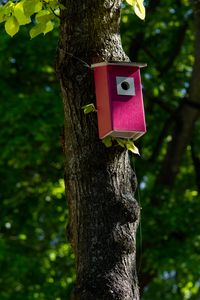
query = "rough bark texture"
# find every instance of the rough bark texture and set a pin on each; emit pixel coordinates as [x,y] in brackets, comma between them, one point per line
[100,183]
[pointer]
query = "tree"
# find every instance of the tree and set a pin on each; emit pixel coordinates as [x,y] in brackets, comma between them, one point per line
[99,181]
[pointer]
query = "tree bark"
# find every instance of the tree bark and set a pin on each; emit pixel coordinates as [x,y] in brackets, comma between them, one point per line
[100,183]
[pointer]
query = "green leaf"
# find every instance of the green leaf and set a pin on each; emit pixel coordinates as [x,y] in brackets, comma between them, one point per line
[31,7]
[138,7]
[41,28]
[131,147]
[43,16]
[5,11]
[12,26]
[61,6]
[88,108]
[107,141]
[2,15]
[8,7]
[53,4]
[121,142]
[20,14]
[49,26]
[36,30]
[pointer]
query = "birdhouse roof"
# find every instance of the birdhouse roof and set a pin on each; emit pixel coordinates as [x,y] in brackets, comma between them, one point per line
[119,63]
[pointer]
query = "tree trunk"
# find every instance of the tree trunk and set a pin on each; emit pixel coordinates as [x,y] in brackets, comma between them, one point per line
[100,183]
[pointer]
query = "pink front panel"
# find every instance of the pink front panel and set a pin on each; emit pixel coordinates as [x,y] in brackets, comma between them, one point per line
[127,111]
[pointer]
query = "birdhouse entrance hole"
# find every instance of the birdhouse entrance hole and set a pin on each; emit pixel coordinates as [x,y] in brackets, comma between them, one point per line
[125,85]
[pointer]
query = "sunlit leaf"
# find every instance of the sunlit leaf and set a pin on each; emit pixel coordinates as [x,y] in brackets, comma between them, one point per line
[8,7]
[138,6]
[131,147]
[31,7]
[139,9]
[12,26]
[36,30]
[88,108]
[49,26]
[19,13]
[43,16]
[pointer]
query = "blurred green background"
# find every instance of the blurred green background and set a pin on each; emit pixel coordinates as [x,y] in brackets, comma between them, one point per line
[36,262]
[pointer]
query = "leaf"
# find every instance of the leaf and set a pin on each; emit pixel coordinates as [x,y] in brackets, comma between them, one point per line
[19,13]
[107,141]
[2,15]
[41,28]
[36,30]
[5,11]
[61,6]
[12,26]
[31,7]
[8,7]
[88,108]
[53,4]
[139,9]
[131,147]
[131,2]
[49,26]
[121,142]
[43,16]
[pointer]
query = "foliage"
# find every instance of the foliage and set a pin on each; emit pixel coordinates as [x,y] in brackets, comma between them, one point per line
[40,14]
[124,143]
[36,262]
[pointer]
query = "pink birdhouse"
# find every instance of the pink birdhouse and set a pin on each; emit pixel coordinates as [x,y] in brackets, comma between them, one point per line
[120,108]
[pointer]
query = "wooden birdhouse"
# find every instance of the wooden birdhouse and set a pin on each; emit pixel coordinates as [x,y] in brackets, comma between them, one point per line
[120,108]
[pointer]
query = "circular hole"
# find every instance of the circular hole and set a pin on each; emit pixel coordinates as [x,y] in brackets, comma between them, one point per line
[125,85]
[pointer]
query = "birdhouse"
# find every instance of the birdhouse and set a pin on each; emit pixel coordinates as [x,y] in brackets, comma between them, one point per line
[120,108]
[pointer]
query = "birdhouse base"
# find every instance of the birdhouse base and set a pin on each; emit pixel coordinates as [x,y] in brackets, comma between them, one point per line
[125,134]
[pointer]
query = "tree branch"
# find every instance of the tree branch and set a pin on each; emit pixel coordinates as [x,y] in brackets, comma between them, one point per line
[161,137]
[179,36]
[196,163]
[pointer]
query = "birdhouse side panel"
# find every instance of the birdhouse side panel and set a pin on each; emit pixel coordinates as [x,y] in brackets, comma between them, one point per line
[103,101]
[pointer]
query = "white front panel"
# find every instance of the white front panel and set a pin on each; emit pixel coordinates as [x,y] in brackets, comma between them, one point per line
[125,86]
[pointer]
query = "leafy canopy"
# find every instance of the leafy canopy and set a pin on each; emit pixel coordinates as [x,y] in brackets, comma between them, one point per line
[41,14]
